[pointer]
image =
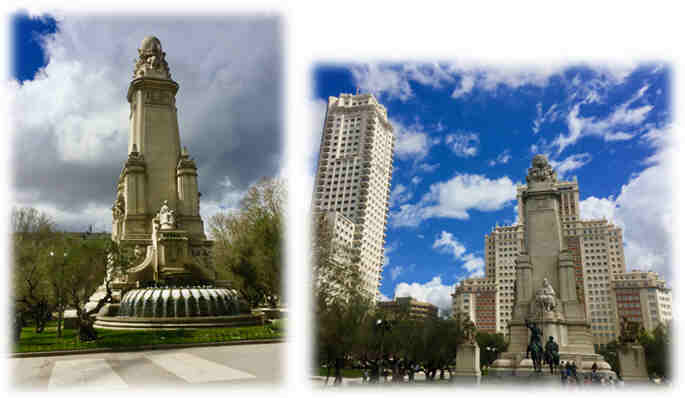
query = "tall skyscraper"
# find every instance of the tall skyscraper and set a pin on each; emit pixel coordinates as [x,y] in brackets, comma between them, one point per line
[595,247]
[353,178]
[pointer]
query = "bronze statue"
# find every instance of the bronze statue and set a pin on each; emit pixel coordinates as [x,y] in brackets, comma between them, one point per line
[535,345]
[552,354]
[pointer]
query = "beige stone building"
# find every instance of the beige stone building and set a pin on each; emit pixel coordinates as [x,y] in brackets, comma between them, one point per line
[596,249]
[476,298]
[415,309]
[353,178]
[642,296]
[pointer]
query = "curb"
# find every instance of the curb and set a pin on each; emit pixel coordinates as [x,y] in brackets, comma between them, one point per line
[141,348]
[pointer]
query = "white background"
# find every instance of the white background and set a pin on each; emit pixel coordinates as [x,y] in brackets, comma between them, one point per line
[520,32]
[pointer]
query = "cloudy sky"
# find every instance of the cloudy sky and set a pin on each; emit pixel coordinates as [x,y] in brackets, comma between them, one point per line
[466,134]
[70,113]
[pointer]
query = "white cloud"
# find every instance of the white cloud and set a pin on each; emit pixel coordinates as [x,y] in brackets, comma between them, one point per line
[393,81]
[571,163]
[644,209]
[549,116]
[399,194]
[446,243]
[395,272]
[415,180]
[610,128]
[433,292]
[463,144]
[382,81]
[502,158]
[456,197]
[466,84]
[411,141]
[427,167]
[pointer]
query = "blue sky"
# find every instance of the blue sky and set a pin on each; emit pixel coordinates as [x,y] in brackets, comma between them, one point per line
[466,134]
[27,54]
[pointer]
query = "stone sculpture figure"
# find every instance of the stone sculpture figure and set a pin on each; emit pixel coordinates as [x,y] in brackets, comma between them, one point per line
[541,170]
[469,329]
[629,331]
[167,218]
[545,297]
[151,58]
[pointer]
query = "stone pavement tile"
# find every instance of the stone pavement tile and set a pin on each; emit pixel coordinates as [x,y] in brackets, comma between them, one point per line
[31,373]
[194,369]
[139,371]
[85,374]
[262,360]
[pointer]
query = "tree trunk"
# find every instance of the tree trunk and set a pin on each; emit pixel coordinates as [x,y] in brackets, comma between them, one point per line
[86,330]
[60,318]
[338,371]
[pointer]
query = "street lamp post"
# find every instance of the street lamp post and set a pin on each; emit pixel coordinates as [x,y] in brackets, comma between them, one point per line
[382,325]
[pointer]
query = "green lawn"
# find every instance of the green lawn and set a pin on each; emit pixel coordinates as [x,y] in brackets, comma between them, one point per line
[351,373]
[48,341]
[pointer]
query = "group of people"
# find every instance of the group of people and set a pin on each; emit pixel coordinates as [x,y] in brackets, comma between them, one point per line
[569,375]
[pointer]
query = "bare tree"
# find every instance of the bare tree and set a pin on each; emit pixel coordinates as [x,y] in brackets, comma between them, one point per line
[33,235]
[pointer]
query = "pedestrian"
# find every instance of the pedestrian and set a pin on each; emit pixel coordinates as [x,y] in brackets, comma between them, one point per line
[562,371]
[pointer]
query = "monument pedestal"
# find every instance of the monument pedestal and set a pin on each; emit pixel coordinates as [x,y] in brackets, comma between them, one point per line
[468,363]
[633,363]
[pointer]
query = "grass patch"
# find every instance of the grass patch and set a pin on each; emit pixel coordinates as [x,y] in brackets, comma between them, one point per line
[48,341]
[348,373]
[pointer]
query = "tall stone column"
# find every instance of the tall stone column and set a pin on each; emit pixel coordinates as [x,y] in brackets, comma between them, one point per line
[154,137]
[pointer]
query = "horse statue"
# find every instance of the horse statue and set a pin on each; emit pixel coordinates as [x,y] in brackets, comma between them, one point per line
[551,354]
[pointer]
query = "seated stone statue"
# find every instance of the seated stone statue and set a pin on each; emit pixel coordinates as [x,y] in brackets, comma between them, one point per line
[167,218]
[545,297]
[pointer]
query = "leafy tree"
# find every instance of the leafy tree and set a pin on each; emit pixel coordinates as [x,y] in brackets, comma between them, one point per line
[495,341]
[91,265]
[248,243]
[657,345]
[343,311]
[610,354]
[33,235]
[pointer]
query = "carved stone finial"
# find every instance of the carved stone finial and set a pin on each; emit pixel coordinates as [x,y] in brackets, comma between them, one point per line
[151,60]
[541,170]
[185,161]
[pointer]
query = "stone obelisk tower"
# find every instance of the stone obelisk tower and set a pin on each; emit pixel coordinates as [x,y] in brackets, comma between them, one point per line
[156,213]
[545,281]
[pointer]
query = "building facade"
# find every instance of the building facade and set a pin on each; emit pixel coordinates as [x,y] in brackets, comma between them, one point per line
[413,308]
[642,296]
[476,298]
[353,177]
[596,249]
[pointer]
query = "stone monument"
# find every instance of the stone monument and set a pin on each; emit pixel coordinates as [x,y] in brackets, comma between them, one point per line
[545,290]
[468,355]
[171,281]
[631,355]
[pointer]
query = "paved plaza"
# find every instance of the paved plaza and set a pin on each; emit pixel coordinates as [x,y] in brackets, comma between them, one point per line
[257,364]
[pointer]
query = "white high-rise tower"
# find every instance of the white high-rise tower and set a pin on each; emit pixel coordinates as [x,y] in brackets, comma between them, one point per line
[353,178]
